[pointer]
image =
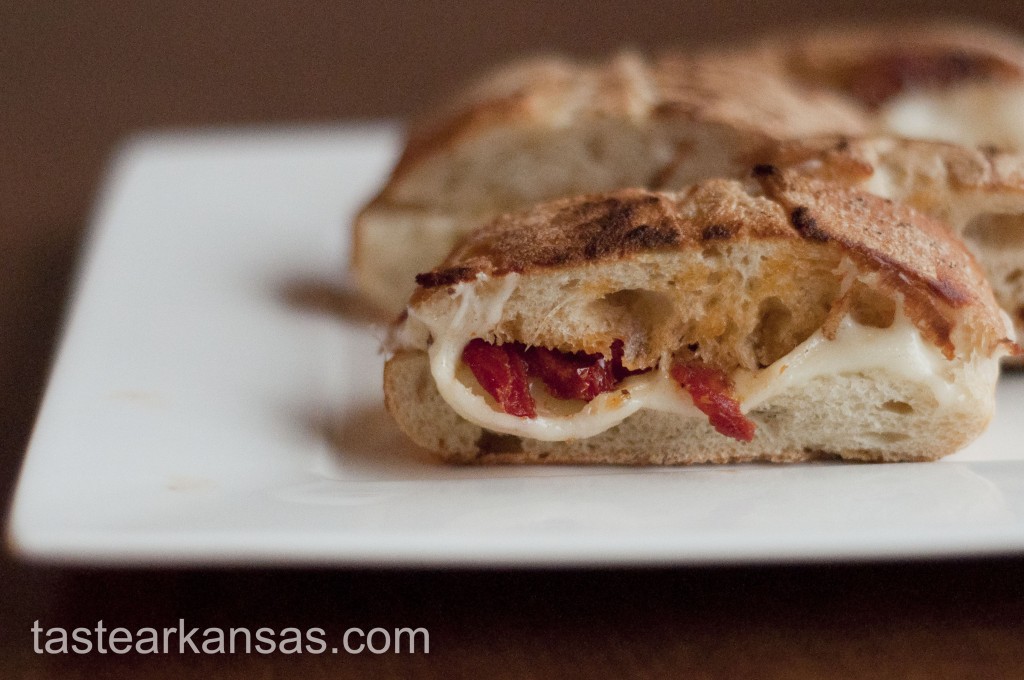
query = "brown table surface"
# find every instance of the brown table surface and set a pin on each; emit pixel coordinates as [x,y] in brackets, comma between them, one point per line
[75,80]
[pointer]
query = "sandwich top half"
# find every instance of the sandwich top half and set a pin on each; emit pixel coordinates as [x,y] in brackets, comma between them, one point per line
[778,317]
[553,127]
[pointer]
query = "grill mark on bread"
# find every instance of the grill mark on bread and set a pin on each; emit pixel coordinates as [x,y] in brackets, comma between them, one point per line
[609,225]
[715,232]
[949,290]
[613,231]
[647,237]
[804,223]
[439,278]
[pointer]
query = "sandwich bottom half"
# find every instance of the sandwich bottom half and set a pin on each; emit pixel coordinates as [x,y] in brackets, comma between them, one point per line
[869,415]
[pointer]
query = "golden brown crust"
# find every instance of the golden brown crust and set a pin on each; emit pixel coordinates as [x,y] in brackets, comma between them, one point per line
[852,160]
[914,254]
[519,91]
[544,91]
[796,77]
[964,187]
[869,65]
[716,88]
[587,229]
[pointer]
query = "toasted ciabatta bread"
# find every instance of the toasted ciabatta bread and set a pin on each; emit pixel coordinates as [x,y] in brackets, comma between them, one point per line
[552,127]
[810,319]
[953,81]
[977,192]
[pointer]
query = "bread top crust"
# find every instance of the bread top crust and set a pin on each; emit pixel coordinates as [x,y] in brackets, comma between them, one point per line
[866,63]
[854,160]
[553,92]
[819,82]
[941,284]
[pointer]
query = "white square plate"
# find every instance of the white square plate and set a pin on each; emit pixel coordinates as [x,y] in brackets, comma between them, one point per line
[200,412]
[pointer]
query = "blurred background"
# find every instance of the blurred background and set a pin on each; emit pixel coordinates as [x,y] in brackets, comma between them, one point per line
[77,77]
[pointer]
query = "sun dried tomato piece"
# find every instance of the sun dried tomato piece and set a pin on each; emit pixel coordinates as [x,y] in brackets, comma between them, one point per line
[712,393]
[618,370]
[501,371]
[571,376]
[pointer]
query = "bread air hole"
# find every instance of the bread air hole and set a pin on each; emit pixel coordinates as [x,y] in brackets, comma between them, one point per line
[712,253]
[646,307]
[901,407]
[596,148]
[773,335]
[492,442]
[996,231]
[870,307]
[889,437]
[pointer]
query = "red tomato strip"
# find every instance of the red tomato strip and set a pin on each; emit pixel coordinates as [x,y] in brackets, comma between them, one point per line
[711,391]
[501,370]
[571,376]
[618,370]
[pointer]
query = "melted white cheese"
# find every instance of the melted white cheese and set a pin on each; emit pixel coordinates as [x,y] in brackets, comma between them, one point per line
[899,349]
[966,115]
